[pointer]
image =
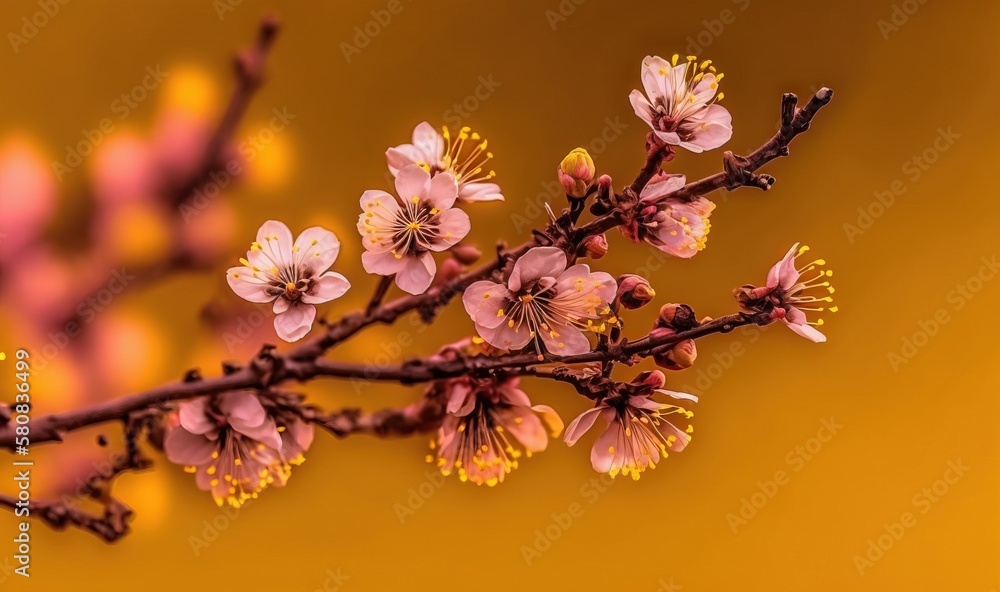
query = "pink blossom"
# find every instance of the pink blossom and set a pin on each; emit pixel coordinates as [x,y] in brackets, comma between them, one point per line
[399,238]
[790,296]
[464,158]
[681,105]
[675,226]
[638,431]
[290,274]
[542,300]
[236,447]
[489,425]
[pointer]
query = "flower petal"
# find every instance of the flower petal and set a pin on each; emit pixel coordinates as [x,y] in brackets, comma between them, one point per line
[184,448]
[329,286]
[296,322]
[317,248]
[443,191]
[417,273]
[473,192]
[581,424]
[537,263]
[453,226]
[194,416]
[275,240]
[412,181]
[248,287]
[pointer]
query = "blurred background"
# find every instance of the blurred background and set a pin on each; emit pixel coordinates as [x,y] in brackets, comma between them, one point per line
[866,463]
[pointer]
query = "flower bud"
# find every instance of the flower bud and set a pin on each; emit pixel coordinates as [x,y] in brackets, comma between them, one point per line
[677,316]
[684,353]
[576,172]
[634,291]
[448,270]
[595,246]
[652,379]
[466,254]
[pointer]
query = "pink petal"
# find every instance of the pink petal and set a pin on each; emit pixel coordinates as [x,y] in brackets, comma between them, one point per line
[643,109]
[537,263]
[661,186]
[656,78]
[281,304]
[473,192]
[194,416]
[567,341]
[317,248]
[266,433]
[529,431]
[807,331]
[417,273]
[401,156]
[242,406]
[296,322]
[711,128]
[504,336]
[382,263]
[513,396]
[601,456]
[453,226]
[246,286]
[275,240]
[429,143]
[788,276]
[581,424]
[551,418]
[329,286]
[483,299]
[412,181]
[443,191]
[184,448]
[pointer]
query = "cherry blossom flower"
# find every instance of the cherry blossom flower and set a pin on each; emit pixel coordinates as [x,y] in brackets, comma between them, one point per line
[464,158]
[682,105]
[542,300]
[290,274]
[234,446]
[675,226]
[489,426]
[792,291]
[638,431]
[399,238]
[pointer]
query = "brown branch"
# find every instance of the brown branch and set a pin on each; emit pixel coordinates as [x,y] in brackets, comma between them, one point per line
[739,170]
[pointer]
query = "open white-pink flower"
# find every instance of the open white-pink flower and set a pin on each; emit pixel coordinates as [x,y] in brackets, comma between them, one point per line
[544,302]
[464,157]
[791,291]
[680,104]
[292,275]
[236,447]
[638,432]
[675,226]
[489,426]
[400,237]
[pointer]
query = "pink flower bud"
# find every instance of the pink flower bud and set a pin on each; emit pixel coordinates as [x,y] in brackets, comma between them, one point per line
[595,246]
[684,353]
[676,316]
[466,254]
[634,291]
[447,271]
[576,172]
[653,379]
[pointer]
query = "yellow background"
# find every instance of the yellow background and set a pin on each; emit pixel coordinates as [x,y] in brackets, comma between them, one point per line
[557,87]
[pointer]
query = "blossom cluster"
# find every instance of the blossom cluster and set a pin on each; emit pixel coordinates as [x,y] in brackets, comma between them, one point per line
[544,302]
